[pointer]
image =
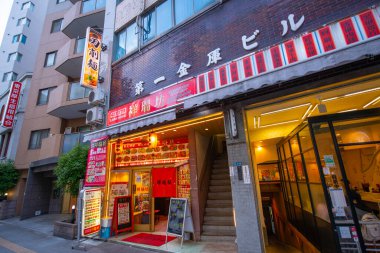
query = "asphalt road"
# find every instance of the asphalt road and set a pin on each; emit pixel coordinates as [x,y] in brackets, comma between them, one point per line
[14,239]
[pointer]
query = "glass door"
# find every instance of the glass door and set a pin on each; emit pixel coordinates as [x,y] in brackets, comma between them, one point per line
[142,200]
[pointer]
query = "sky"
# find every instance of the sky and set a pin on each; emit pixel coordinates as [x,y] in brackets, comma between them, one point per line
[4,14]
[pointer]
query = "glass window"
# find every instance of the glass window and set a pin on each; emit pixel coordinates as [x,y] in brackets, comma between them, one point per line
[183,10]
[126,41]
[36,138]
[27,5]
[60,1]
[100,4]
[50,59]
[149,29]
[121,39]
[132,38]
[77,91]
[43,96]
[119,1]
[23,39]
[79,46]
[69,142]
[23,21]
[9,76]
[14,57]
[164,17]
[56,25]
[201,4]
[88,5]
[18,38]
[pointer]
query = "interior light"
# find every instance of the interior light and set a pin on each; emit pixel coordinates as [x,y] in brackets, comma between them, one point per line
[307,111]
[153,140]
[6,194]
[206,129]
[285,109]
[311,112]
[361,92]
[374,101]
[259,148]
[329,99]
[254,122]
[175,130]
[350,110]
[280,123]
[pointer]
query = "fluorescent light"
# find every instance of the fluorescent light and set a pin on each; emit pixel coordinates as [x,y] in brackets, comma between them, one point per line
[372,102]
[329,99]
[350,110]
[254,122]
[285,109]
[361,92]
[313,110]
[308,109]
[258,122]
[280,123]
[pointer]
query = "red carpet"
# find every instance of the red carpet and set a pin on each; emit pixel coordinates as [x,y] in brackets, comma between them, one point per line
[149,239]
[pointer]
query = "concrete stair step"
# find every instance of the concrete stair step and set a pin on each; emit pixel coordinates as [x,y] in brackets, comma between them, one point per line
[220,171]
[220,195]
[218,228]
[218,205]
[214,182]
[220,176]
[219,188]
[220,165]
[229,222]
[211,218]
[220,233]
[211,238]
[224,211]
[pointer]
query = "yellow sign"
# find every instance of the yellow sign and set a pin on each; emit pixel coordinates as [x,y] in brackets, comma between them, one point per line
[91,59]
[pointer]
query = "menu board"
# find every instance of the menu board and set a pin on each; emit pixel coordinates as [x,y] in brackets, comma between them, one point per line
[91,211]
[140,153]
[122,220]
[183,185]
[116,190]
[176,216]
[96,163]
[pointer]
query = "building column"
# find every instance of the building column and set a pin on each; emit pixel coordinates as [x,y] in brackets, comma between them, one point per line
[243,184]
[4,145]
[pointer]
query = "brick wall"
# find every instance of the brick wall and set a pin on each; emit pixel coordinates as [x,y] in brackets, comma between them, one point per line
[221,27]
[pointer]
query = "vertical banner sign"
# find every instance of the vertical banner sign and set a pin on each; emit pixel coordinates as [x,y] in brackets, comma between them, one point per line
[11,105]
[91,59]
[96,163]
[91,211]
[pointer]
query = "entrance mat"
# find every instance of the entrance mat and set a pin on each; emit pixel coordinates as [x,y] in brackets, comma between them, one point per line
[149,239]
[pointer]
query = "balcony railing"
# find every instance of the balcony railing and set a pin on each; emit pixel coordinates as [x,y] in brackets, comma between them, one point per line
[91,5]
[71,140]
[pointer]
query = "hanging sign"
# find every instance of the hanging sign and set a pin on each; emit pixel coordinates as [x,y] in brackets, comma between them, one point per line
[91,211]
[162,99]
[91,59]
[122,214]
[164,182]
[11,105]
[96,163]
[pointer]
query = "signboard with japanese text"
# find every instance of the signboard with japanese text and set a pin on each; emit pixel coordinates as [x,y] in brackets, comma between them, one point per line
[122,218]
[117,189]
[96,163]
[91,59]
[92,200]
[159,100]
[164,182]
[11,105]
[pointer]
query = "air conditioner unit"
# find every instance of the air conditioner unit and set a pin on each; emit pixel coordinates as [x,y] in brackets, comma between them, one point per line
[94,115]
[96,97]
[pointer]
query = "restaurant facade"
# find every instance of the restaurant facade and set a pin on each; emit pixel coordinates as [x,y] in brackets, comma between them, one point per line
[263,115]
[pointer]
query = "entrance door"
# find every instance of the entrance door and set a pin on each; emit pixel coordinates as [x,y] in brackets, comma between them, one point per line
[348,155]
[142,200]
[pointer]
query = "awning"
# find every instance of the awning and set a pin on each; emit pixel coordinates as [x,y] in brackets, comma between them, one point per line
[132,125]
[326,61]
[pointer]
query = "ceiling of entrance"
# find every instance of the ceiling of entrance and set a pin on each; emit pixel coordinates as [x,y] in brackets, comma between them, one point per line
[277,119]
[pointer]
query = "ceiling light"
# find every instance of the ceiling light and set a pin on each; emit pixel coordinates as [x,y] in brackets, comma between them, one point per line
[280,123]
[206,129]
[313,110]
[361,92]
[254,122]
[285,109]
[374,101]
[350,110]
[329,99]
[175,130]
[307,111]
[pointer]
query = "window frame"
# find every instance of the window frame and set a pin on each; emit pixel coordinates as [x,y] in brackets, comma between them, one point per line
[54,23]
[30,6]
[47,57]
[20,20]
[12,74]
[60,1]
[40,136]
[17,58]
[85,91]
[39,102]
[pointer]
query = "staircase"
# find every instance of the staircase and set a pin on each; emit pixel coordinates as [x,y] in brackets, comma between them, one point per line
[218,224]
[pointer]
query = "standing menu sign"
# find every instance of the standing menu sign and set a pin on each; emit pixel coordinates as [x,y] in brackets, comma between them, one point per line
[92,200]
[117,189]
[96,163]
[179,218]
[122,214]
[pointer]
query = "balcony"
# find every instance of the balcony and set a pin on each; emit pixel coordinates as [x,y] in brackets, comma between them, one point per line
[84,14]
[71,140]
[68,101]
[69,58]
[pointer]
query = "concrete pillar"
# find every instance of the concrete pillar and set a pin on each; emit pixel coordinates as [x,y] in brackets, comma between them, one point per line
[243,186]
[4,145]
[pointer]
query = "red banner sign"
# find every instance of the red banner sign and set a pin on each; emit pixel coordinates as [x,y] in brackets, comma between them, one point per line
[164,182]
[96,163]
[156,101]
[11,105]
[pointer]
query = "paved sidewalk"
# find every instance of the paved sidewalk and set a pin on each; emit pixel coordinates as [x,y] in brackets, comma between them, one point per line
[44,224]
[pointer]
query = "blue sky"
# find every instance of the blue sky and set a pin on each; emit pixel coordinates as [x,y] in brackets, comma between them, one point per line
[4,14]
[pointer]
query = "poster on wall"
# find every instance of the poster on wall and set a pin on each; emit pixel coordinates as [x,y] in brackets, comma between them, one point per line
[122,219]
[164,182]
[116,190]
[91,59]
[96,163]
[91,211]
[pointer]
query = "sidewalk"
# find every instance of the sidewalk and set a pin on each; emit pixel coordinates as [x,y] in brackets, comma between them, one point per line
[44,224]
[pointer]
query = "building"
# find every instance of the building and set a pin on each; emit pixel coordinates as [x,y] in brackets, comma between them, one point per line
[54,119]
[265,113]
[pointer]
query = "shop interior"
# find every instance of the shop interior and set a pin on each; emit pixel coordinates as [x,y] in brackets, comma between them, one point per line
[153,166]
[282,150]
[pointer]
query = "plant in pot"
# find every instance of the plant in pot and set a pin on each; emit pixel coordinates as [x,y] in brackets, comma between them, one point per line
[70,170]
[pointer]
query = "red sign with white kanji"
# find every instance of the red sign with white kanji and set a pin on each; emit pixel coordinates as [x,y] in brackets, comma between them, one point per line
[11,105]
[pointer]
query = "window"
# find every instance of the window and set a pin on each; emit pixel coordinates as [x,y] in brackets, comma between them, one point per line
[14,57]
[79,46]
[27,5]
[18,38]
[9,76]
[36,138]
[60,1]
[50,59]
[23,21]
[56,25]
[77,91]
[126,41]
[91,5]
[119,1]
[43,96]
